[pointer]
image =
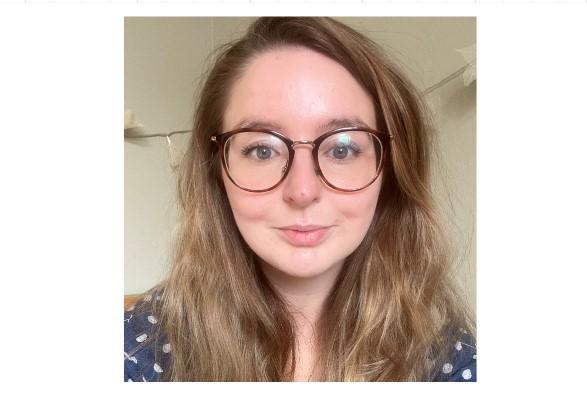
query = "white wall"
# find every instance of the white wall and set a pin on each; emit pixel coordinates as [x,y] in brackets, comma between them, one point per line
[163,63]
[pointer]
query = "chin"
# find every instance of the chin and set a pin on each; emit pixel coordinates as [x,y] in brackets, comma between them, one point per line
[302,273]
[303,266]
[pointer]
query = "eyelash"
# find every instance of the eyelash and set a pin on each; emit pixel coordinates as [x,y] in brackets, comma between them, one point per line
[356,151]
[246,151]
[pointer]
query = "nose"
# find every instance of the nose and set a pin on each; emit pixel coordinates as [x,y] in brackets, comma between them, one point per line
[302,186]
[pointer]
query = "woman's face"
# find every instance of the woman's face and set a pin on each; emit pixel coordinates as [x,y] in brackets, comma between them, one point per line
[302,228]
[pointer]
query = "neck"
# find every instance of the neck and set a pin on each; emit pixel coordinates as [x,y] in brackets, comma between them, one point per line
[305,297]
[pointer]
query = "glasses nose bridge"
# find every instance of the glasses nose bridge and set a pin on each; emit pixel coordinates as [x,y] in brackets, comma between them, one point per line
[309,143]
[302,142]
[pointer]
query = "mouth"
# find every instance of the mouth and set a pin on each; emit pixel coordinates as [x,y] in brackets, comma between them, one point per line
[304,236]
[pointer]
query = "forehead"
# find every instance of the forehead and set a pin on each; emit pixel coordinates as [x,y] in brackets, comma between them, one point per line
[295,88]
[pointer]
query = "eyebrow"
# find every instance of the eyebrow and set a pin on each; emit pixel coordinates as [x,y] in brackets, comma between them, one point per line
[338,123]
[334,123]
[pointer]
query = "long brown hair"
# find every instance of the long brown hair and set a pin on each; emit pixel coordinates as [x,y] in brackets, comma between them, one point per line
[393,309]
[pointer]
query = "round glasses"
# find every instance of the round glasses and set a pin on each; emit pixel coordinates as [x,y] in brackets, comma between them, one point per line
[346,159]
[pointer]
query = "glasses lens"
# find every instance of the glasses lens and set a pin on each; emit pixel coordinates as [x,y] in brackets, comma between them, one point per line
[255,160]
[350,160]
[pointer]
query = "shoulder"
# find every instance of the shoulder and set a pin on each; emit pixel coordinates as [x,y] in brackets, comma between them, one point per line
[461,362]
[146,352]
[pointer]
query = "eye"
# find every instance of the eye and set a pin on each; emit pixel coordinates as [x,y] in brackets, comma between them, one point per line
[340,152]
[263,152]
[343,147]
[259,152]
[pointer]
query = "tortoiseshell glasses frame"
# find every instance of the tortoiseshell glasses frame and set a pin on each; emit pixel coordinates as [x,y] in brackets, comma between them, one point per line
[383,139]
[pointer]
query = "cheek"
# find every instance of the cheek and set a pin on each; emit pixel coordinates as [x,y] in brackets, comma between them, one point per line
[360,208]
[246,206]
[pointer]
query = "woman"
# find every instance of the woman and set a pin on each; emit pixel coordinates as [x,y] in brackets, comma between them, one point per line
[309,248]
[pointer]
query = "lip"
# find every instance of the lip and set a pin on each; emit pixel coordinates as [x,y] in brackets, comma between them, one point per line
[304,235]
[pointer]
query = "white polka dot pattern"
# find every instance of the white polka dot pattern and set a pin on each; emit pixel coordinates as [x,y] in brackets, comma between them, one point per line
[132,359]
[460,363]
[467,374]
[447,368]
[142,361]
